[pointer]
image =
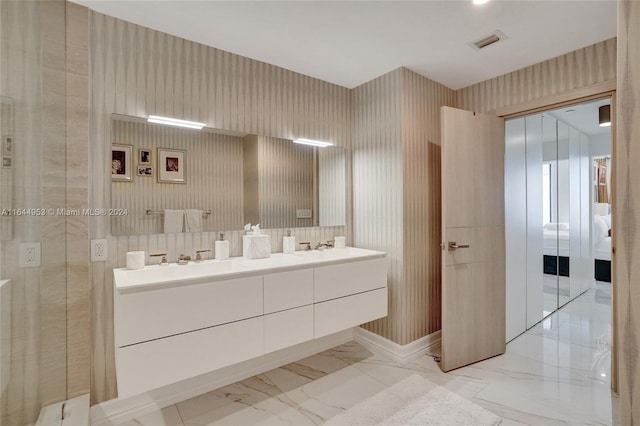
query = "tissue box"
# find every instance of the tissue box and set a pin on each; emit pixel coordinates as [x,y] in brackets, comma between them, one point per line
[256,246]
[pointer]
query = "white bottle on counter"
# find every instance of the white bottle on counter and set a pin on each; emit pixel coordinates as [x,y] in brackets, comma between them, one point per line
[221,248]
[288,243]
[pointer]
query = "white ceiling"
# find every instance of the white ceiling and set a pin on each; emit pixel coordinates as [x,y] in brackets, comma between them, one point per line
[351,42]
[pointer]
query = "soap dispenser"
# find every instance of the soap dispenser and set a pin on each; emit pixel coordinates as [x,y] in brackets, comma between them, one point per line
[288,243]
[221,248]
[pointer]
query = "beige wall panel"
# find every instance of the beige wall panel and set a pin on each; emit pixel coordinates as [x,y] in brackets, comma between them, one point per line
[137,71]
[626,210]
[578,69]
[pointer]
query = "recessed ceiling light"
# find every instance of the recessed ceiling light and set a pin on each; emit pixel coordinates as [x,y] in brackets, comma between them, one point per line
[480,1]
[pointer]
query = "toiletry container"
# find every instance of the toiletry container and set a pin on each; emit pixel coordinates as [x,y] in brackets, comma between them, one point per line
[221,248]
[288,243]
[135,259]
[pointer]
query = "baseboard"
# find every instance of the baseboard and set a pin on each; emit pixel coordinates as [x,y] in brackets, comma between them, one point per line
[121,410]
[395,352]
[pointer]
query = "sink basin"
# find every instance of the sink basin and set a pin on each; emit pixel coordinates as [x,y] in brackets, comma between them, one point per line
[128,278]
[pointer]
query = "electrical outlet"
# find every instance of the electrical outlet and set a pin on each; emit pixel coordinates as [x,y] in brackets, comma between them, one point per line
[29,255]
[99,250]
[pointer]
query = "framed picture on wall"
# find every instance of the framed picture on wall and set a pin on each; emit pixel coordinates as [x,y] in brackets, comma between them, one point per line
[145,171]
[171,165]
[144,156]
[121,162]
[7,146]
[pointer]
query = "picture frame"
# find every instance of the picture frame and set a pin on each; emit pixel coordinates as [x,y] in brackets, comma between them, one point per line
[171,165]
[6,162]
[121,162]
[144,156]
[145,171]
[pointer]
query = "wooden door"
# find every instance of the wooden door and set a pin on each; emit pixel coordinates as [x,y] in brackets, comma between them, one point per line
[473,267]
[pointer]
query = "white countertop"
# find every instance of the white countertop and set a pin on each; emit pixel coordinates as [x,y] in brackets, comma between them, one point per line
[155,276]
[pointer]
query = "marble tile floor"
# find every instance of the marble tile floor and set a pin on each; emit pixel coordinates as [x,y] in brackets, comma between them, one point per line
[557,373]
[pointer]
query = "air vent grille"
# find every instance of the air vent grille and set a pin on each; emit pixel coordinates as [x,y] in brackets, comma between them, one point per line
[492,38]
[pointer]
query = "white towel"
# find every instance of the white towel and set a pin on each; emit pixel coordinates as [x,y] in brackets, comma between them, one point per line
[192,220]
[173,221]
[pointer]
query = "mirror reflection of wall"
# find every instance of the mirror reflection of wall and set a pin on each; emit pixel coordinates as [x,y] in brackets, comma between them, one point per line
[232,178]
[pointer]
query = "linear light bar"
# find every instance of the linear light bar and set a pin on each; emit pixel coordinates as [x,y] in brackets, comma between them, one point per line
[313,143]
[175,122]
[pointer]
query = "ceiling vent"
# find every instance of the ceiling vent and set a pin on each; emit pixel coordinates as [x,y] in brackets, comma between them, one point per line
[486,41]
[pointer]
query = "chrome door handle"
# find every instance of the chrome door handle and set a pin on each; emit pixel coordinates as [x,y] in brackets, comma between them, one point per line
[453,246]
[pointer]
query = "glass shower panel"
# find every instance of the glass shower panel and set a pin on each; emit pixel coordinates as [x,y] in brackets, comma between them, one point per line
[535,242]
[564,214]
[550,230]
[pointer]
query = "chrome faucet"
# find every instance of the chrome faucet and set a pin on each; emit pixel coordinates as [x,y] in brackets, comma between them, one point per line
[321,246]
[163,261]
[198,256]
[183,260]
[307,244]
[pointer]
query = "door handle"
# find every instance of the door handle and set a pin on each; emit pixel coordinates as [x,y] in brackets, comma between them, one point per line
[453,246]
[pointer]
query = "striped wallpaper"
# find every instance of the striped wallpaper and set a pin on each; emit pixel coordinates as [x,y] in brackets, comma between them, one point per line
[626,210]
[137,71]
[396,167]
[578,69]
[331,189]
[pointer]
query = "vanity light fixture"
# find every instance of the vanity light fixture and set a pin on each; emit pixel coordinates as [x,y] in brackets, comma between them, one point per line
[480,1]
[175,122]
[604,115]
[312,142]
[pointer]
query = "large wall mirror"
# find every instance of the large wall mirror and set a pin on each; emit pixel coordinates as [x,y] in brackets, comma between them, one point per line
[233,178]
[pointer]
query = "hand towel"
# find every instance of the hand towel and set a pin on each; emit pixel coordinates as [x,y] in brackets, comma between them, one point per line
[192,220]
[173,221]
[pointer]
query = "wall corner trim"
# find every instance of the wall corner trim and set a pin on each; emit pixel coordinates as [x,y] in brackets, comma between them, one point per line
[401,354]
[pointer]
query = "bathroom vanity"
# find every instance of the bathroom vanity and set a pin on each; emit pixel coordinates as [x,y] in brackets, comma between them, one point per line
[175,322]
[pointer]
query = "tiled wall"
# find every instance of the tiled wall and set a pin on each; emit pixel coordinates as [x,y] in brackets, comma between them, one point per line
[182,79]
[44,70]
[626,209]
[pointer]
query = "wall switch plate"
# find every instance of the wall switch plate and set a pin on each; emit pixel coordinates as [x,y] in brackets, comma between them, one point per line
[303,214]
[99,250]
[29,255]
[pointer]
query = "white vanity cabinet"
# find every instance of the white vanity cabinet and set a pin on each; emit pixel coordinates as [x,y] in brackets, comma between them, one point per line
[168,330]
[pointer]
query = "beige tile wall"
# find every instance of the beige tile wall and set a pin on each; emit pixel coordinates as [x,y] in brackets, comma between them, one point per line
[626,210]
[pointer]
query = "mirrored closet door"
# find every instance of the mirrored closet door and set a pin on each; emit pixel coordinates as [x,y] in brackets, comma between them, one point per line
[548,217]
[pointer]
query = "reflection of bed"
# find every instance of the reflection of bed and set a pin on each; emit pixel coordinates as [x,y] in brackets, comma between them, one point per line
[602,247]
[556,249]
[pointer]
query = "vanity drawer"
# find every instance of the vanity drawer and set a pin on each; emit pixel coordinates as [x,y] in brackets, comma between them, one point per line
[344,279]
[339,314]
[148,315]
[286,290]
[288,328]
[150,365]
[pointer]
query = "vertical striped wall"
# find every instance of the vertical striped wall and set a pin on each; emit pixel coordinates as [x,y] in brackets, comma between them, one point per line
[580,68]
[137,71]
[396,178]
[377,178]
[626,210]
[285,183]
[213,173]
[421,191]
